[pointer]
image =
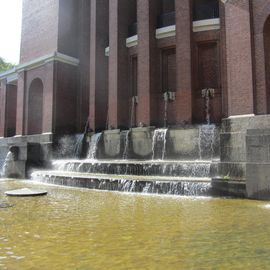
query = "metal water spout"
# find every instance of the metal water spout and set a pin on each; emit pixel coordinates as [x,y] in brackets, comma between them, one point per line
[207,94]
[168,96]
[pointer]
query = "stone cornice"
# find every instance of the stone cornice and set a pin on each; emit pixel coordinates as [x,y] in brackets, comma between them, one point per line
[206,25]
[12,74]
[164,32]
[132,41]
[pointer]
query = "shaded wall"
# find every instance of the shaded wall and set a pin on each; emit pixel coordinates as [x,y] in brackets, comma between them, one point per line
[35,107]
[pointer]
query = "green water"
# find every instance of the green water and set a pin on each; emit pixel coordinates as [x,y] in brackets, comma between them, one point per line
[83,229]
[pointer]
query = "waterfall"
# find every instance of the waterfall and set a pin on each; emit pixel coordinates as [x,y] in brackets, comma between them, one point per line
[79,145]
[206,141]
[207,94]
[125,153]
[156,175]
[92,153]
[166,101]
[159,143]
[185,187]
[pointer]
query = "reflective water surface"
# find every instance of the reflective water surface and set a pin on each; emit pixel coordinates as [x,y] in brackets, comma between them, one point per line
[84,229]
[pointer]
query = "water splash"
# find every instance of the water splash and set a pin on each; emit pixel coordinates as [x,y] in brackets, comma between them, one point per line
[9,165]
[92,153]
[70,146]
[159,143]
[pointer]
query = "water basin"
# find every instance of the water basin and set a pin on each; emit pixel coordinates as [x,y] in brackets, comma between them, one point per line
[73,228]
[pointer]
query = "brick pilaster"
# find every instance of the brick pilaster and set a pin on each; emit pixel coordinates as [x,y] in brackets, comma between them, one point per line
[183,23]
[98,64]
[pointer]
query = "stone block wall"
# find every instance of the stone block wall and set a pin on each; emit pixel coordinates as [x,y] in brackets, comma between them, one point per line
[233,154]
[258,163]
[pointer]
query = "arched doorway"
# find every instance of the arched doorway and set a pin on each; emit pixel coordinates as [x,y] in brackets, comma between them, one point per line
[266,34]
[35,107]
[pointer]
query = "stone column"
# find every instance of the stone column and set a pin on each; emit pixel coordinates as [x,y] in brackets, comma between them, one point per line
[21,92]
[118,109]
[239,58]
[146,18]
[183,61]
[98,64]
[3,95]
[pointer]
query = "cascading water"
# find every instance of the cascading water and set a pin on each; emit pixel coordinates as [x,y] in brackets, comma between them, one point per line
[134,102]
[79,145]
[206,141]
[125,153]
[207,94]
[92,153]
[156,175]
[166,101]
[159,143]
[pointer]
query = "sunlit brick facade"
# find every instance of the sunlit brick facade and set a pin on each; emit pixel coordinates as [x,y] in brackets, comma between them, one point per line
[85,61]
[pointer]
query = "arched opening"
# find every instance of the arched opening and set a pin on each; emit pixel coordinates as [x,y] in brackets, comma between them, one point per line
[266,34]
[35,107]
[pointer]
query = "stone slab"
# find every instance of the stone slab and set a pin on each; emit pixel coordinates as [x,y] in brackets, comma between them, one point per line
[26,192]
[258,181]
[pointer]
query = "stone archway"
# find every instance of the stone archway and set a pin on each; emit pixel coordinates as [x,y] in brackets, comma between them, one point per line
[35,107]
[266,38]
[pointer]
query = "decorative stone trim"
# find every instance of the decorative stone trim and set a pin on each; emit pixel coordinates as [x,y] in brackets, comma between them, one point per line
[56,56]
[169,31]
[206,25]
[165,32]
[132,41]
[241,116]
[12,75]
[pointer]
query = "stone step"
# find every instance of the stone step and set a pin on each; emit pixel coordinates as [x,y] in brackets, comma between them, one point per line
[128,183]
[198,168]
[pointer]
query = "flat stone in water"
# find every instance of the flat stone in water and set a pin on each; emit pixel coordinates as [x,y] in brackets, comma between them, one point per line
[26,192]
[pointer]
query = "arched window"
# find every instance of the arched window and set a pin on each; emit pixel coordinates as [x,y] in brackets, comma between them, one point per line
[205,9]
[35,107]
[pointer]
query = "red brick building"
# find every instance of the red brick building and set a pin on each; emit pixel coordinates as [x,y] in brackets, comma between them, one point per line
[87,59]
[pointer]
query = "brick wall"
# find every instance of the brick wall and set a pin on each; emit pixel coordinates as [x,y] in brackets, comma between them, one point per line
[49,26]
[39,28]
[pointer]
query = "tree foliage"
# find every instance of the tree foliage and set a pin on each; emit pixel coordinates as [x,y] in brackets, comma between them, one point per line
[5,65]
